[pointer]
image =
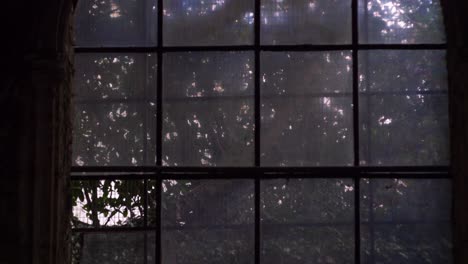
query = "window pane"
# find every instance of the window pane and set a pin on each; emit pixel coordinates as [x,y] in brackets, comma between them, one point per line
[208,221]
[110,248]
[152,202]
[208,109]
[209,22]
[115,120]
[107,203]
[116,23]
[306,108]
[307,221]
[403,108]
[306,22]
[406,221]
[401,21]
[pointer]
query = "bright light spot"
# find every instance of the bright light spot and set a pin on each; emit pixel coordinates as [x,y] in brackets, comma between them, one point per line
[384,121]
[115,10]
[312,6]
[79,161]
[348,188]
[218,87]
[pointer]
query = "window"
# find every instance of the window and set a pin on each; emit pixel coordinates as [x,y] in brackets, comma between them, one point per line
[261,131]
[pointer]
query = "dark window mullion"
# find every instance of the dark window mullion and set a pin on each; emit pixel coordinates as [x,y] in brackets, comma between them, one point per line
[326,47]
[257,19]
[159,124]
[357,178]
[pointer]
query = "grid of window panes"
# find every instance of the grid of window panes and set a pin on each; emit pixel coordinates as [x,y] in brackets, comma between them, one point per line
[260,131]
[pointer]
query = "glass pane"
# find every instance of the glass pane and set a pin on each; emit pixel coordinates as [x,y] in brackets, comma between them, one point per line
[403,108]
[111,248]
[116,23]
[208,109]
[208,22]
[152,198]
[107,203]
[306,108]
[406,221]
[307,221]
[401,21]
[208,221]
[115,111]
[305,22]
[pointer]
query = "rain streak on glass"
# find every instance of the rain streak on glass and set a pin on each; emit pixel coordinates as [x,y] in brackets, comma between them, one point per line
[115,111]
[208,109]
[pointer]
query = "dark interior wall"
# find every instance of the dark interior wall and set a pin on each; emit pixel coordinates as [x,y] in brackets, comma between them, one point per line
[457,31]
[35,133]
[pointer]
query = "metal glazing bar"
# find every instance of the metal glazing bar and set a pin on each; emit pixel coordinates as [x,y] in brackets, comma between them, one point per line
[77,170]
[159,127]
[358,46]
[357,180]
[257,23]
[266,176]
[246,226]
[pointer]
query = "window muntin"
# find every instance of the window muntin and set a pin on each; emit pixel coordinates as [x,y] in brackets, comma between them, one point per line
[345,74]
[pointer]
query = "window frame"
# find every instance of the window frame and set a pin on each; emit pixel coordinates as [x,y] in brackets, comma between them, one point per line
[256,173]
